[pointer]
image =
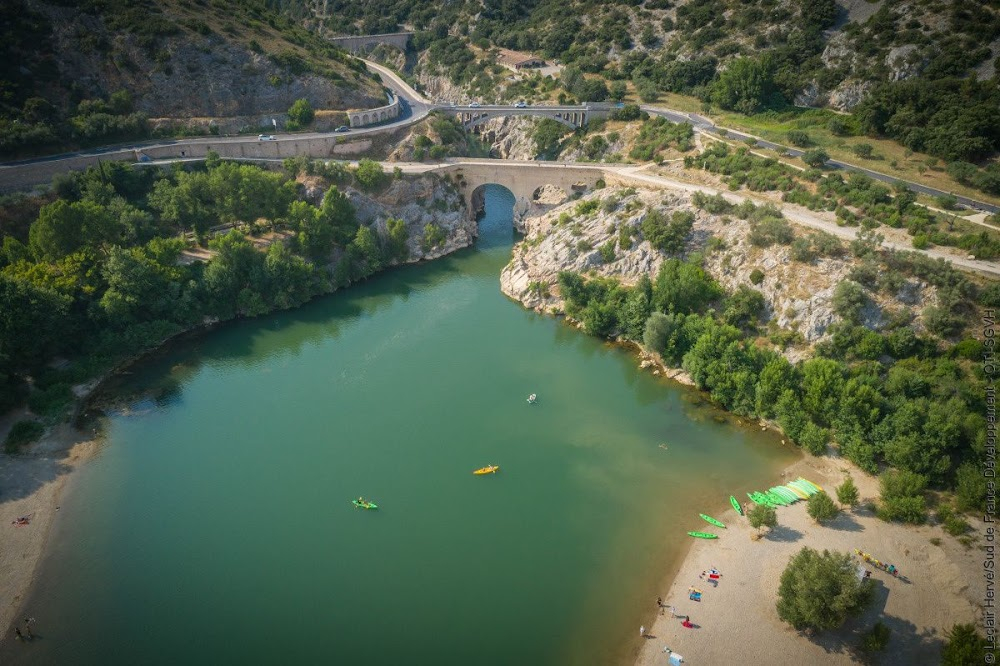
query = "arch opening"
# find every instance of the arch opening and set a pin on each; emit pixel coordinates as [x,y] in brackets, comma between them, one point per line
[494,207]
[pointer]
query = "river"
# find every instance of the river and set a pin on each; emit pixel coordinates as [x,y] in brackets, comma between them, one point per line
[215,526]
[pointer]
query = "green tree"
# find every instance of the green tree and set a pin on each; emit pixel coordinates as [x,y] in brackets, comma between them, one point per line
[902,495]
[847,493]
[338,211]
[814,438]
[617,91]
[63,227]
[547,136]
[139,289]
[970,488]
[34,323]
[819,591]
[301,112]
[775,378]
[762,515]
[864,150]
[821,508]
[397,235]
[822,382]
[746,85]
[667,236]
[683,287]
[965,647]
[815,157]
[369,174]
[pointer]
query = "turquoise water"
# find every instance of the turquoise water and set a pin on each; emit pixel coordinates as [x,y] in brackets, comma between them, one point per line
[216,526]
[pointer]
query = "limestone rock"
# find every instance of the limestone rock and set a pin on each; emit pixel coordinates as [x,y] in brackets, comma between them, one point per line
[849,94]
[904,62]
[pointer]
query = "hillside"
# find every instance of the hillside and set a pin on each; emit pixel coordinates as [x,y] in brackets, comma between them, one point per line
[76,74]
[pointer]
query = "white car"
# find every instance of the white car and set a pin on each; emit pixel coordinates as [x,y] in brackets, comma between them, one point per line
[266,137]
[520,105]
[474,105]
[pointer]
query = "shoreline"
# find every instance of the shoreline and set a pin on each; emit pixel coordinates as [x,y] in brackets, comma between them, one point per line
[931,596]
[32,485]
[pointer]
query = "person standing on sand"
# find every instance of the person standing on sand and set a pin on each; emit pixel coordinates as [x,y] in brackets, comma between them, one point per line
[17,634]
[659,602]
[642,631]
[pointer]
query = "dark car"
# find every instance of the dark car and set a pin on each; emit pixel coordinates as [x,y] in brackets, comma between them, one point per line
[343,128]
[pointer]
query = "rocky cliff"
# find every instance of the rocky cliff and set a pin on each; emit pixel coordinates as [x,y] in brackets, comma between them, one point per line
[798,295]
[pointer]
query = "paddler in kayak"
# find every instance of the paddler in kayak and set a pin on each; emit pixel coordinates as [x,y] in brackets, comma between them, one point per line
[532,398]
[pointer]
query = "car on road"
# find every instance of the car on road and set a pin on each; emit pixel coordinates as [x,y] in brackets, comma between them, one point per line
[266,137]
[474,105]
[520,105]
[343,128]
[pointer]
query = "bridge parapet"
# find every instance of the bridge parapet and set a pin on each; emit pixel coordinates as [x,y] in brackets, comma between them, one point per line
[375,116]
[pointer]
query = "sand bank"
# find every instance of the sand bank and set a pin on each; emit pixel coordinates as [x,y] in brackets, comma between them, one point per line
[737,620]
[30,485]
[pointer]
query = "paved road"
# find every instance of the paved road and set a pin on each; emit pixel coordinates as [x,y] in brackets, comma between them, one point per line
[704,125]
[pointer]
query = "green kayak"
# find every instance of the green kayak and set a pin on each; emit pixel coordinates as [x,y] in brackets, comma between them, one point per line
[364,505]
[709,519]
[736,505]
[703,535]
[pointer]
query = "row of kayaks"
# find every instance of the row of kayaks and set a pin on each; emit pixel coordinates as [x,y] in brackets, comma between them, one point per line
[778,496]
[785,495]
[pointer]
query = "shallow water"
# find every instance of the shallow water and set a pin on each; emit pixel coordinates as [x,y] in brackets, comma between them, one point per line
[216,524]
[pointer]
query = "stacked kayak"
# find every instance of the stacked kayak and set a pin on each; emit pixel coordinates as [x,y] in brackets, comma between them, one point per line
[785,495]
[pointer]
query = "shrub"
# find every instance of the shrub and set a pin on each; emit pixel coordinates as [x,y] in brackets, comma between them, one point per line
[607,251]
[51,401]
[756,276]
[762,516]
[965,646]
[799,138]
[847,492]
[876,639]
[865,150]
[301,112]
[903,497]
[22,434]
[815,157]
[820,507]
[369,174]
[814,439]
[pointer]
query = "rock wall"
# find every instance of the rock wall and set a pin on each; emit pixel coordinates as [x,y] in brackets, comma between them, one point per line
[418,202]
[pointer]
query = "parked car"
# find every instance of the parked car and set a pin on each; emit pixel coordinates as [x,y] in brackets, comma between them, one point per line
[474,105]
[266,137]
[520,105]
[343,128]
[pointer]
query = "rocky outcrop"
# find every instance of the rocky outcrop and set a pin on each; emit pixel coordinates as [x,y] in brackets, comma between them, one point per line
[509,137]
[849,94]
[419,202]
[904,62]
[798,295]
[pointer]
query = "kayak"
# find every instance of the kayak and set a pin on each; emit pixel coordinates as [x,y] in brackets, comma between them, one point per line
[810,483]
[709,519]
[364,505]
[736,505]
[776,498]
[762,499]
[786,495]
[801,494]
[798,485]
[703,535]
[489,469]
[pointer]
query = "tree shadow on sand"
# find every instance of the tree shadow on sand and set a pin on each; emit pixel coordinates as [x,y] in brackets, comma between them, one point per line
[845,523]
[783,533]
[906,644]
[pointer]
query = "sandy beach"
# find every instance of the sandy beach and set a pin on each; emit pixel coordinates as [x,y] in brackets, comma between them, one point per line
[940,586]
[31,485]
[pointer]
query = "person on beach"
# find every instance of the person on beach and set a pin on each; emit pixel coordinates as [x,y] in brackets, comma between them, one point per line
[673,611]
[687,622]
[17,634]
[642,631]
[659,603]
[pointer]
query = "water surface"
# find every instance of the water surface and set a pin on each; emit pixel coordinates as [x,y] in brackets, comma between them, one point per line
[216,524]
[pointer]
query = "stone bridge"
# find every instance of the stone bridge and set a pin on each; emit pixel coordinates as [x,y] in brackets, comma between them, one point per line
[358,43]
[523,178]
[571,116]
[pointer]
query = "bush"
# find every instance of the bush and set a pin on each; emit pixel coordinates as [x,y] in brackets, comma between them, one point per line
[301,112]
[820,590]
[847,493]
[756,276]
[762,516]
[22,434]
[865,150]
[876,639]
[965,646]
[820,507]
[814,439]
[51,401]
[799,138]
[815,157]
[369,174]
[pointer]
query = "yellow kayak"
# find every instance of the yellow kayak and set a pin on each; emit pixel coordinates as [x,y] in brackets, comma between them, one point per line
[489,469]
[798,492]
